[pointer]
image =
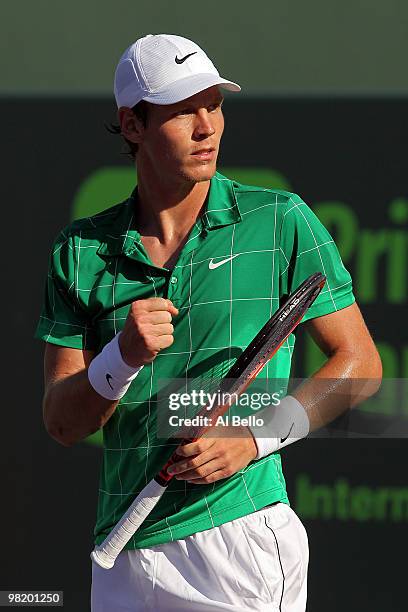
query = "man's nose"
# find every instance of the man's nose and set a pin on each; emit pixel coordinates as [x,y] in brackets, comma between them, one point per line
[204,126]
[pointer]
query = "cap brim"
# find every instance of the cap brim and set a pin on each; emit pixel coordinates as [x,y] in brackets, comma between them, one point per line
[189,86]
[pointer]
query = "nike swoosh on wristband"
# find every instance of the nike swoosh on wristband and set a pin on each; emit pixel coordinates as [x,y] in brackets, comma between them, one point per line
[283,439]
[212,265]
[108,377]
[183,59]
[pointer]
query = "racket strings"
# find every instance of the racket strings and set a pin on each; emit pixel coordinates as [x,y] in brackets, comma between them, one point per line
[211,380]
[267,342]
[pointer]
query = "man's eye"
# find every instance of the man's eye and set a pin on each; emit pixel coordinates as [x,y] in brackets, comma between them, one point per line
[184,111]
[214,107]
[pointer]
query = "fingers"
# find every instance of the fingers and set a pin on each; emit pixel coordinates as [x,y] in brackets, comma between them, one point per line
[157,304]
[164,342]
[203,472]
[162,329]
[201,465]
[210,459]
[157,316]
[171,308]
[206,469]
[148,330]
[194,448]
[217,475]
[194,462]
[154,311]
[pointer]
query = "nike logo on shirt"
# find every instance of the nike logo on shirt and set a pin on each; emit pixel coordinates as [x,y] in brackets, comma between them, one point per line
[213,265]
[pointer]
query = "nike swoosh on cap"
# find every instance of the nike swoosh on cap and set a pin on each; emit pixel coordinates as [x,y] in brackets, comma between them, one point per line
[183,59]
[213,265]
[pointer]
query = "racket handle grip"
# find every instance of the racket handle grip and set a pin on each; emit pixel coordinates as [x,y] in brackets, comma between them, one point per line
[105,555]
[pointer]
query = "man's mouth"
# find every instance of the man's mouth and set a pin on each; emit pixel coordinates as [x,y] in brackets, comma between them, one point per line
[205,154]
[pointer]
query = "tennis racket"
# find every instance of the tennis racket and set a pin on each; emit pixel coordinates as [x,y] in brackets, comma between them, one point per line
[238,378]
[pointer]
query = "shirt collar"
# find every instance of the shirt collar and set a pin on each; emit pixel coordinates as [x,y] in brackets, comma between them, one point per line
[222,206]
[123,236]
[124,239]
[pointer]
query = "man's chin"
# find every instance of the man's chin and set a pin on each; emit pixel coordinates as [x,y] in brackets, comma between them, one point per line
[201,174]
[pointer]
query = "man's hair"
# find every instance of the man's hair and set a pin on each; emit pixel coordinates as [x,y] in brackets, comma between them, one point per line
[141,110]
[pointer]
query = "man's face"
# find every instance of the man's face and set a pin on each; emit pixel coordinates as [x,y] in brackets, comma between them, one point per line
[182,140]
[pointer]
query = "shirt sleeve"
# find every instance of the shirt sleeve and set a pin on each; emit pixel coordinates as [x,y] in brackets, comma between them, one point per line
[307,247]
[62,320]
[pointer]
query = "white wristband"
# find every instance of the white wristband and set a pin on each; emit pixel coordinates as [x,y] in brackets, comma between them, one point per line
[282,425]
[109,374]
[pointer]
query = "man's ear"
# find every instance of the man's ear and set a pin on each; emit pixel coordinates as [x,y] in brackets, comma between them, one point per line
[131,126]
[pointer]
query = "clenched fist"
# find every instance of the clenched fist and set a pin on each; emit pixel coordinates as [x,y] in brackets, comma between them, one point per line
[147,330]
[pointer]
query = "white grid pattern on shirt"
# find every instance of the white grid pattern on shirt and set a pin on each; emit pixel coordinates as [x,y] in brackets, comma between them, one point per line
[191,264]
[317,246]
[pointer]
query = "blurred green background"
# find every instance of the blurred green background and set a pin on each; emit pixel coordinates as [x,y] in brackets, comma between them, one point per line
[322,113]
[320,47]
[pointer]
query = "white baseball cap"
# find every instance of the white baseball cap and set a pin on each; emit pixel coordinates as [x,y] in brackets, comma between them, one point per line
[164,69]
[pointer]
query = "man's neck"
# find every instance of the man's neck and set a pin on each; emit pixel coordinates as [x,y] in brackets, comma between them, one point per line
[168,212]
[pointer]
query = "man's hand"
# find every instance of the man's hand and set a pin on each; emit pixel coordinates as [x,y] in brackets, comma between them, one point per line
[147,330]
[215,455]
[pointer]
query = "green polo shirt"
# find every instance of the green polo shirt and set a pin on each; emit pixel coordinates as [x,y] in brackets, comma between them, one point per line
[251,247]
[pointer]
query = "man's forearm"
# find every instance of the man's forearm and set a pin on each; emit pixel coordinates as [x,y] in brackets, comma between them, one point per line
[72,409]
[343,381]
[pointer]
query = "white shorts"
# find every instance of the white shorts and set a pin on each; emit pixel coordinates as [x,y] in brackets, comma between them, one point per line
[257,562]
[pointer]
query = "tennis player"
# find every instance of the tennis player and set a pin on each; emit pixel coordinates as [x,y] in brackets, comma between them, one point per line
[170,283]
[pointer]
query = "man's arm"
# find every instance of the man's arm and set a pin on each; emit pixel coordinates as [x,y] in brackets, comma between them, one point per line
[353,369]
[351,354]
[72,409]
